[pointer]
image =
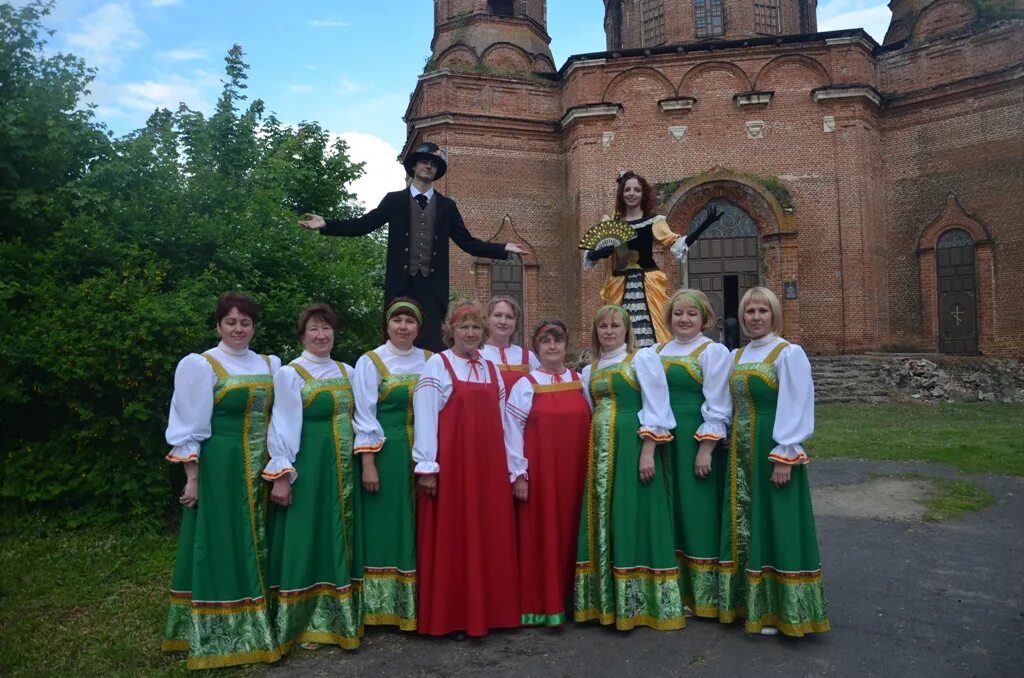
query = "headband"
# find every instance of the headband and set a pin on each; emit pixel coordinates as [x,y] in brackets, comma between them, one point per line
[692,297]
[463,310]
[405,306]
[548,328]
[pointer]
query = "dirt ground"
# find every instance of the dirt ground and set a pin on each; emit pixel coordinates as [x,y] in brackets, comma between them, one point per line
[906,598]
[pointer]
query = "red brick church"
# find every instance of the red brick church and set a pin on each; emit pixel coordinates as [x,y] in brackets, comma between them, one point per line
[878,189]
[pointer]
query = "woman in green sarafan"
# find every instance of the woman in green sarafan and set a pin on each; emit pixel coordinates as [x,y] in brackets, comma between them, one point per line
[217,430]
[316,565]
[769,568]
[697,370]
[626,572]
[384,380]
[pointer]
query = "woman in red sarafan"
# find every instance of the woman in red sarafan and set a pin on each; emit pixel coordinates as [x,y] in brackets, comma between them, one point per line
[466,536]
[548,416]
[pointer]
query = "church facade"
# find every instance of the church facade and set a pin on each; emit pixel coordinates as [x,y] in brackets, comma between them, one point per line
[877,189]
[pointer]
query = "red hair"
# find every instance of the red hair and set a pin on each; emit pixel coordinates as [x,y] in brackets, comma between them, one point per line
[647,195]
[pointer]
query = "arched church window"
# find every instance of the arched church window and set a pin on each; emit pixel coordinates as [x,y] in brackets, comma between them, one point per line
[502,7]
[954,237]
[735,222]
[766,17]
[708,18]
[507,279]
[957,286]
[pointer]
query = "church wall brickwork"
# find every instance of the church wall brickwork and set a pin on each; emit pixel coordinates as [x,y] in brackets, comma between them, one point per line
[865,143]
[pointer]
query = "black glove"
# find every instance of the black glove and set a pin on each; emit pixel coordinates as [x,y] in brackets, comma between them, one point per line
[600,253]
[713,215]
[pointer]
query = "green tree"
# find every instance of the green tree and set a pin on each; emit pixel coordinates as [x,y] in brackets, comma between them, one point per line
[139,240]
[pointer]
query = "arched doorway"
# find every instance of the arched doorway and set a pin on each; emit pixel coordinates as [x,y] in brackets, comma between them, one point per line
[957,292]
[723,264]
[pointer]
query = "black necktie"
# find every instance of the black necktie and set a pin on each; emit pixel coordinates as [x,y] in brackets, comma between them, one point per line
[422,200]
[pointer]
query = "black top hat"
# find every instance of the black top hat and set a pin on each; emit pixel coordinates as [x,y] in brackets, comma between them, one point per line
[427,151]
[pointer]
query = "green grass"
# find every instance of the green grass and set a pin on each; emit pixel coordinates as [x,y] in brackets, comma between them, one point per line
[947,498]
[91,601]
[85,602]
[971,437]
[953,498]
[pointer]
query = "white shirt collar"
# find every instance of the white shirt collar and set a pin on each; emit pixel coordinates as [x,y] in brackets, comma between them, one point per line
[614,353]
[315,359]
[397,351]
[415,191]
[238,353]
[763,341]
[690,343]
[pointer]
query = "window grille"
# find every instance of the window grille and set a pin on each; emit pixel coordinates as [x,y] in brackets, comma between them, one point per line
[766,17]
[653,22]
[954,237]
[708,18]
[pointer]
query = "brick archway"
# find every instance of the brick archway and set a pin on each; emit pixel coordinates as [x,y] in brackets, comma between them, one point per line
[775,227]
[954,216]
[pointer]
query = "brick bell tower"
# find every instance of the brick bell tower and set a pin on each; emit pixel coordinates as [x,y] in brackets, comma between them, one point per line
[633,24]
[499,35]
[490,97]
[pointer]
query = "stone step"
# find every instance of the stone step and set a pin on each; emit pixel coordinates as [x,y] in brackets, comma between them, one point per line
[849,379]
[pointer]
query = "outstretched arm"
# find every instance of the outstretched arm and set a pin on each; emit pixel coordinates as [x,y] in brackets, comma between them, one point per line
[363,225]
[478,248]
[713,215]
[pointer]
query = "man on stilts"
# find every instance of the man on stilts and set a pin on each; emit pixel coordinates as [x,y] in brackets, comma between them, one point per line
[421,222]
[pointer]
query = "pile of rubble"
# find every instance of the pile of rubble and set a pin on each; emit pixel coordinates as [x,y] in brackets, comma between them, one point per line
[960,379]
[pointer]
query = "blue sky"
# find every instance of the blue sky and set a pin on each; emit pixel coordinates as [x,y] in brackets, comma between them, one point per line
[348,65]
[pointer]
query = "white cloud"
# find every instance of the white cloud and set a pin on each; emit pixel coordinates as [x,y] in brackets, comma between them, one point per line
[871,15]
[168,92]
[383,173]
[105,34]
[329,23]
[301,89]
[164,3]
[346,86]
[183,55]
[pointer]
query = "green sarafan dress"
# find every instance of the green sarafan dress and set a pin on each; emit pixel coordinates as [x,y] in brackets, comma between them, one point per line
[219,611]
[696,502]
[626,571]
[389,515]
[315,554]
[770,570]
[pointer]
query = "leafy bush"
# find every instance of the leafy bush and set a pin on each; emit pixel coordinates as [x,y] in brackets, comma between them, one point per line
[114,252]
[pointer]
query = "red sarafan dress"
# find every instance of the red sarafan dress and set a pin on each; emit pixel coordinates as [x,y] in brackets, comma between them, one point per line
[466,534]
[510,372]
[551,421]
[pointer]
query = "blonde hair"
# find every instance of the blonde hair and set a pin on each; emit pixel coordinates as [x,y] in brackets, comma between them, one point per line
[694,298]
[517,310]
[460,310]
[595,342]
[762,295]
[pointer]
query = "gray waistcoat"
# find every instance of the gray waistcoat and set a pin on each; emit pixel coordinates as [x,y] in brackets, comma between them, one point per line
[421,236]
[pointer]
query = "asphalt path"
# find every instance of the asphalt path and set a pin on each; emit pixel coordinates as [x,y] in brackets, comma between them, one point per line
[905,598]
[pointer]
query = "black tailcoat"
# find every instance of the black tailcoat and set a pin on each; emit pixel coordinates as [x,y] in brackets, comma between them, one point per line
[431,291]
